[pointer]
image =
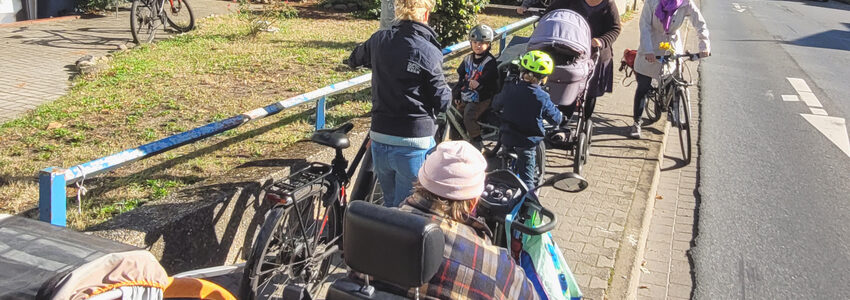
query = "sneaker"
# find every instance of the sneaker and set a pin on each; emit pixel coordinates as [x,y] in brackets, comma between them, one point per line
[477,142]
[635,130]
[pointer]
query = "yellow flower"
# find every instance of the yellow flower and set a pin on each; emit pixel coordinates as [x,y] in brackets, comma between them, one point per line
[665,46]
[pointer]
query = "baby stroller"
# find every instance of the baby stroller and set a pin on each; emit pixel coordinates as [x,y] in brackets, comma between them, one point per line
[41,261]
[565,35]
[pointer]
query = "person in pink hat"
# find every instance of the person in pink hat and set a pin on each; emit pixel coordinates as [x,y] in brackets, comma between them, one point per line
[450,183]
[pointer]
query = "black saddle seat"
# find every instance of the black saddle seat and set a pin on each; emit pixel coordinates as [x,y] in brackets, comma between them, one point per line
[507,152]
[336,138]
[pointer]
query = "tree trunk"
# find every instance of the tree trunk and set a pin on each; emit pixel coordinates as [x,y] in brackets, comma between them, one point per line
[387,13]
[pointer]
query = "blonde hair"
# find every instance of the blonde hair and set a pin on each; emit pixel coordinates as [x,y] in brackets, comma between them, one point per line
[456,210]
[413,10]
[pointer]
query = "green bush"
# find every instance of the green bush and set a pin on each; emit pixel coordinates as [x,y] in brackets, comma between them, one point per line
[452,19]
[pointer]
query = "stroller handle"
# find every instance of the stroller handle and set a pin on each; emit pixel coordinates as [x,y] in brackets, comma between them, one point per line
[542,228]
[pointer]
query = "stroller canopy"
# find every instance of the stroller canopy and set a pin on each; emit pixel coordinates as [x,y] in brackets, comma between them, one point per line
[562,32]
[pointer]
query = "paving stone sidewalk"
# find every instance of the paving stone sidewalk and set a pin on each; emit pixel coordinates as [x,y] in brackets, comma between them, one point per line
[39,58]
[599,228]
[666,271]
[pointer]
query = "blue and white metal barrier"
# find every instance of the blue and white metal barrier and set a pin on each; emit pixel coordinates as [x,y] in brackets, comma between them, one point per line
[52,181]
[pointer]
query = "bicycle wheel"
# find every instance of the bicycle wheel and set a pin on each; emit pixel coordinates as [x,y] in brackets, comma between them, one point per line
[144,21]
[685,123]
[588,131]
[653,107]
[179,15]
[290,246]
[541,162]
[579,152]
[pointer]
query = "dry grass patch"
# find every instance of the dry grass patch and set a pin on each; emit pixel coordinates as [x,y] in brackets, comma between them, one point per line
[157,90]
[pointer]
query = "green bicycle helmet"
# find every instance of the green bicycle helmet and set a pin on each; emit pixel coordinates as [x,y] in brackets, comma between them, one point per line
[481,33]
[538,62]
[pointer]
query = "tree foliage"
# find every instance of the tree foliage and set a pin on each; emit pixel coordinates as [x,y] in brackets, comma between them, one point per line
[452,19]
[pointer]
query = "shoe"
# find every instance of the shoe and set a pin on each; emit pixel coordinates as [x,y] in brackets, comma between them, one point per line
[635,130]
[477,142]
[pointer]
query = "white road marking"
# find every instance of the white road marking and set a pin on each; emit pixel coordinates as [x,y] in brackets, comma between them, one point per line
[810,99]
[790,98]
[799,85]
[835,129]
[818,111]
[738,7]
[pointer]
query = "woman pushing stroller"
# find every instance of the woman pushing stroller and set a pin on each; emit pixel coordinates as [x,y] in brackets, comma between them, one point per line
[603,17]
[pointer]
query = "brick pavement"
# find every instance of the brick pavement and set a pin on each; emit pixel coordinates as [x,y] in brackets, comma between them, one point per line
[599,227]
[38,59]
[666,271]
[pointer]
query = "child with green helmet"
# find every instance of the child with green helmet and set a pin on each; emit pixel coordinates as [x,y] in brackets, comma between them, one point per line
[478,82]
[524,105]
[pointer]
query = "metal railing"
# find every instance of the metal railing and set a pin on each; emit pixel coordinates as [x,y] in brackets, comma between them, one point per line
[52,181]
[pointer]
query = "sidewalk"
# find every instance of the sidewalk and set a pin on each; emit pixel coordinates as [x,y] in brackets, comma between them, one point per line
[39,58]
[666,271]
[599,227]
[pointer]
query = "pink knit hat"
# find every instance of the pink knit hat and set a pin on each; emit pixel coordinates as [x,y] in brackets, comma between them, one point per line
[455,170]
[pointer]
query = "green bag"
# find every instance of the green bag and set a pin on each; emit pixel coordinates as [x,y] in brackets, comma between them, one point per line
[540,257]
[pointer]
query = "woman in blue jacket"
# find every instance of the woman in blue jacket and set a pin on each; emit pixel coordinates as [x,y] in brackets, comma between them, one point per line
[408,91]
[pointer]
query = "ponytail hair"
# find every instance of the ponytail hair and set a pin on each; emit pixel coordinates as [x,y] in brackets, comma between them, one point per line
[413,10]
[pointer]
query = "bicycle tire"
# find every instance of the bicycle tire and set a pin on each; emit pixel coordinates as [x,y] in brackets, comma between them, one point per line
[281,232]
[143,18]
[588,130]
[172,15]
[578,163]
[685,124]
[653,107]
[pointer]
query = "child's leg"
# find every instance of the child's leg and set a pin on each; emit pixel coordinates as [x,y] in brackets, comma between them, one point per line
[526,167]
[471,115]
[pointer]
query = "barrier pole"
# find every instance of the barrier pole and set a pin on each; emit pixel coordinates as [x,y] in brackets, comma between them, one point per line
[51,196]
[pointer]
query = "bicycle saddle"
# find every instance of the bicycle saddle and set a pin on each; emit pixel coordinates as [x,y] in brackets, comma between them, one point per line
[507,153]
[336,138]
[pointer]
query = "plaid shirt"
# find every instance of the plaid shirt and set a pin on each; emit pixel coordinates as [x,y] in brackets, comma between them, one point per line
[473,268]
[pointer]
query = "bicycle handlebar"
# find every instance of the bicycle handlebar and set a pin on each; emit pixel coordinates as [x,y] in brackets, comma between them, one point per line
[542,228]
[688,55]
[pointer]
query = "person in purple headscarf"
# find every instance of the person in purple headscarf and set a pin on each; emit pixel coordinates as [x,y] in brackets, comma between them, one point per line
[659,22]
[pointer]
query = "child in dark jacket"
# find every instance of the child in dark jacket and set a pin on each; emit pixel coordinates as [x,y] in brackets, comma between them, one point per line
[523,105]
[478,82]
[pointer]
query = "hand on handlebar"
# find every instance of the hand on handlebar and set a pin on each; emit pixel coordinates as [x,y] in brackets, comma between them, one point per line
[596,43]
[521,10]
[650,57]
[704,54]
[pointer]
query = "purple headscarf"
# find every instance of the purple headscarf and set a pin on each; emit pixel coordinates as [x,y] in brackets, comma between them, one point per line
[665,11]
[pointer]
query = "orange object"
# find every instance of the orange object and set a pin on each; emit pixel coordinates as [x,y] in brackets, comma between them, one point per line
[196,289]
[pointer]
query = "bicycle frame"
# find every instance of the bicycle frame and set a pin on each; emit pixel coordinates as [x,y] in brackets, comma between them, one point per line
[455,118]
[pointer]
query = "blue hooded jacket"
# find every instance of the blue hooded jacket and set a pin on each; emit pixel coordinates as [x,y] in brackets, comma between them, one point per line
[408,85]
[523,107]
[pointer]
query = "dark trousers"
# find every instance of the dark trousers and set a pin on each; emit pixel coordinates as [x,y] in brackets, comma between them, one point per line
[644,84]
[472,111]
[526,166]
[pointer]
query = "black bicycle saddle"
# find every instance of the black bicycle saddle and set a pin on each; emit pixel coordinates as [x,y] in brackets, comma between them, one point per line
[336,138]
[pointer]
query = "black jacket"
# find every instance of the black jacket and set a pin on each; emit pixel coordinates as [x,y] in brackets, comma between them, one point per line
[523,106]
[488,82]
[408,85]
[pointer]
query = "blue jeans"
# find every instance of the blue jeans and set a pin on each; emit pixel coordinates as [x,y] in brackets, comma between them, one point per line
[397,168]
[525,167]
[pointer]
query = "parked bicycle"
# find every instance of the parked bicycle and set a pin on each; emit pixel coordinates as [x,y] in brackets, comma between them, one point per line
[302,232]
[148,16]
[672,96]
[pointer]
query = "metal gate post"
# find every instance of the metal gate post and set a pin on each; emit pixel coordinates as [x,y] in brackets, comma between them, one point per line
[51,196]
[502,41]
[320,113]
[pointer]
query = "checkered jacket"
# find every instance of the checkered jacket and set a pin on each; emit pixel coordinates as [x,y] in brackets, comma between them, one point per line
[473,268]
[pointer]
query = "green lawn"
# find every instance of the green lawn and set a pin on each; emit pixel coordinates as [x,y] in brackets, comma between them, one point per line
[150,92]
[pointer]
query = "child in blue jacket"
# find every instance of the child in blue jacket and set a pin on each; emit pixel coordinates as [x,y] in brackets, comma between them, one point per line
[523,105]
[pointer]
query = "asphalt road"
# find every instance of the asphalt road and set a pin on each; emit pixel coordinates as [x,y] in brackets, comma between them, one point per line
[774,215]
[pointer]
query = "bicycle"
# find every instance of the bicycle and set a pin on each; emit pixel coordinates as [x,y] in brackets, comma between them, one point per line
[303,229]
[450,127]
[672,92]
[147,16]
